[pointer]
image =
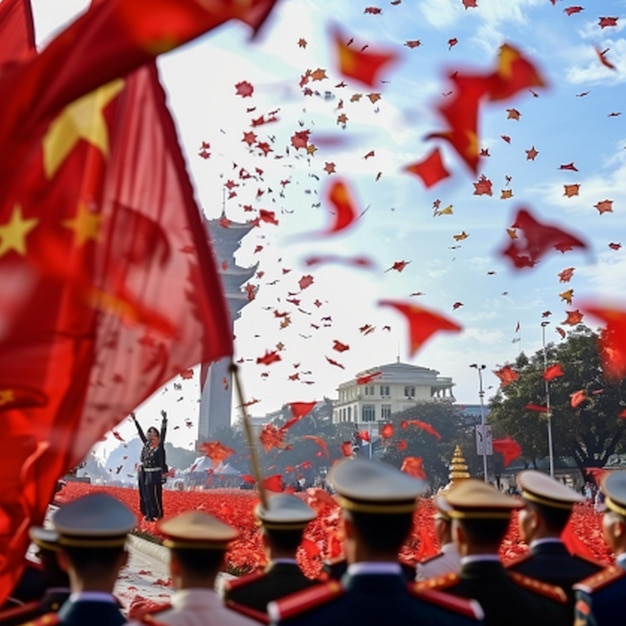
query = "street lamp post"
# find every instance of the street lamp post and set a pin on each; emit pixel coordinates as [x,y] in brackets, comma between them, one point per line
[481,395]
[548,407]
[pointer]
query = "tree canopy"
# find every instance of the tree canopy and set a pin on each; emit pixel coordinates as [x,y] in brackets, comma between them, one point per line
[586,408]
[412,437]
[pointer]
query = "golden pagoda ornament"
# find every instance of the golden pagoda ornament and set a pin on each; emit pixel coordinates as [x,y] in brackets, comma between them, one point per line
[458,468]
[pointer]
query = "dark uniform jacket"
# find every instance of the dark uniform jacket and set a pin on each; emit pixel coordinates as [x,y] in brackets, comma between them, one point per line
[600,598]
[369,600]
[508,599]
[50,602]
[89,613]
[551,562]
[256,590]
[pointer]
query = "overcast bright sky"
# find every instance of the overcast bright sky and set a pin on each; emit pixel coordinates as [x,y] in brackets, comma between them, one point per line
[578,118]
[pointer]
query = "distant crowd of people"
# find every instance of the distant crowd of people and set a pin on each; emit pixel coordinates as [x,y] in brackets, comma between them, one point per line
[466,583]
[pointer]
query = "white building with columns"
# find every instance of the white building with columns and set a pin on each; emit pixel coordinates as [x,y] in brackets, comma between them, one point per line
[370,398]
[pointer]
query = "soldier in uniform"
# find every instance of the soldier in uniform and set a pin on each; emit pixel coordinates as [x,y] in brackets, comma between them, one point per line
[480,519]
[449,559]
[377,503]
[282,527]
[198,544]
[56,585]
[600,598]
[548,508]
[91,534]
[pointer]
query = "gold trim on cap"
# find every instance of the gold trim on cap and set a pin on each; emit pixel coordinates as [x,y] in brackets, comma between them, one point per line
[614,506]
[92,542]
[377,507]
[199,545]
[456,514]
[46,545]
[557,504]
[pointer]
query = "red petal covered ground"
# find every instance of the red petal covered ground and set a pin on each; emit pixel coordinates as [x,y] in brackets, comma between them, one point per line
[323,538]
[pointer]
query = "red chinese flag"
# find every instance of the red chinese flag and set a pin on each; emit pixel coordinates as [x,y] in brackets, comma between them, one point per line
[346,448]
[553,371]
[413,466]
[577,398]
[386,432]
[16,29]
[300,409]
[344,207]
[363,65]
[535,239]
[274,483]
[216,451]
[108,41]
[507,375]
[422,323]
[431,169]
[509,448]
[118,293]
[612,341]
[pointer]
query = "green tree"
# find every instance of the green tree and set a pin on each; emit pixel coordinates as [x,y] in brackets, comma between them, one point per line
[589,433]
[436,454]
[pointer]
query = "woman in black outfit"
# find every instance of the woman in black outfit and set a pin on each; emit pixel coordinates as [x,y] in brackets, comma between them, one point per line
[151,469]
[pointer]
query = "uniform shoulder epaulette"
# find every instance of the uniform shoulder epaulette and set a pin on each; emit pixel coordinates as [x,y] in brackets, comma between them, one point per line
[430,559]
[18,614]
[538,586]
[146,614]
[600,580]
[438,582]
[407,562]
[49,619]
[243,609]
[242,581]
[305,600]
[455,604]
[522,558]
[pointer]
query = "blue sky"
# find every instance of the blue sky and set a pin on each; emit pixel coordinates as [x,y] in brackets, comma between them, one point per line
[562,124]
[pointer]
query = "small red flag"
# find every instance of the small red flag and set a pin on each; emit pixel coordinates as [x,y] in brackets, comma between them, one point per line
[536,239]
[577,398]
[431,170]
[274,483]
[612,341]
[300,409]
[413,466]
[386,432]
[216,451]
[346,448]
[422,323]
[553,371]
[509,448]
[345,211]
[507,375]
[536,407]
[362,65]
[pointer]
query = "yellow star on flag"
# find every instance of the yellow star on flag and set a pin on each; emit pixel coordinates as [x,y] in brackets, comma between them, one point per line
[83,119]
[6,396]
[13,233]
[85,224]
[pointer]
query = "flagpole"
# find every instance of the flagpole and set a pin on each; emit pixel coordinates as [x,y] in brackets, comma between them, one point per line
[548,407]
[254,453]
